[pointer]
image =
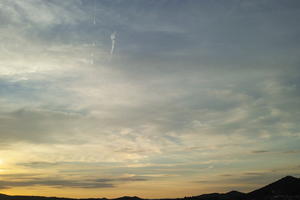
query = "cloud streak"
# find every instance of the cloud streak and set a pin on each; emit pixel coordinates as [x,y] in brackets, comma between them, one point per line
[28,180]
[113,43]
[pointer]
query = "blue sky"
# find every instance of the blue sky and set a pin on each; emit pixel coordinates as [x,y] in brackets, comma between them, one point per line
[193,96]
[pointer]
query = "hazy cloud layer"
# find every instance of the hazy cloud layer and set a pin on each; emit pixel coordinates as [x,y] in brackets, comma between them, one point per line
[21,180]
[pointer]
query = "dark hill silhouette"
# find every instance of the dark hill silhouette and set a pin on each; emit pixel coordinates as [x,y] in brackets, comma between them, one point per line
[128,198]
[217,196]
[287,188]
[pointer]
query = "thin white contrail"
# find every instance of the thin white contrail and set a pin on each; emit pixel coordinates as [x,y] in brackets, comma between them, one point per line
[113,41]
[94,22]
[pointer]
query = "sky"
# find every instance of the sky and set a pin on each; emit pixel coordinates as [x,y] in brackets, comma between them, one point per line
[148,98]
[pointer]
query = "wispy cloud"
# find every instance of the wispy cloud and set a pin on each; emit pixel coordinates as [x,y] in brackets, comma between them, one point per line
[27,180]
[113,43]
[260,151]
